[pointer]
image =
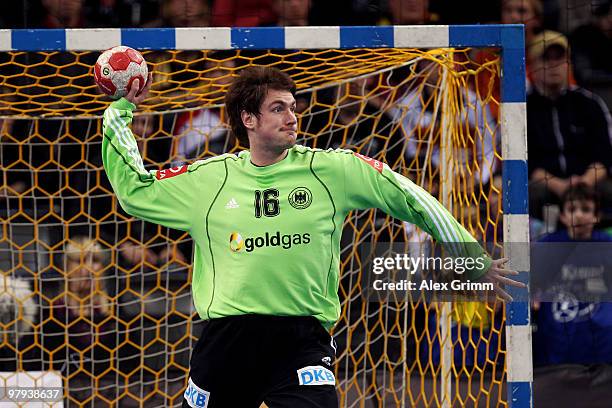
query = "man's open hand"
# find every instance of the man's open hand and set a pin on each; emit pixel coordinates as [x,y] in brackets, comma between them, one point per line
[133,95]
[498,275]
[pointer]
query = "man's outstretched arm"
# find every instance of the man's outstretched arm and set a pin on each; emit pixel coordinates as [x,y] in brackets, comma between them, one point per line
[370,183]
[165,197]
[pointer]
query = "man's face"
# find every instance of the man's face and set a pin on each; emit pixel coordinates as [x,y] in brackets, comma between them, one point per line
[550,71]
[519,12]
[276,126]
[579,216]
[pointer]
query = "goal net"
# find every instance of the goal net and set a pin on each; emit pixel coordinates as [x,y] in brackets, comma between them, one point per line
[104,299]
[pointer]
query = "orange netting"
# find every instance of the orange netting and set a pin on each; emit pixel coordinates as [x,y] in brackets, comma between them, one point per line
[103,299]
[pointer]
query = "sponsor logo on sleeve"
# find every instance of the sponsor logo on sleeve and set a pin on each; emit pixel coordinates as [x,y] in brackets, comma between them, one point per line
[167,173]
[195,396]
[376,165]
[316,375]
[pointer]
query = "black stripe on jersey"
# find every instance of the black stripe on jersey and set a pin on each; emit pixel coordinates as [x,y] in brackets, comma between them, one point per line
[331,237]
[212,256]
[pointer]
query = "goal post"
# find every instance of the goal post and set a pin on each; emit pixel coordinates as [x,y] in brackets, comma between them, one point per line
[414,97]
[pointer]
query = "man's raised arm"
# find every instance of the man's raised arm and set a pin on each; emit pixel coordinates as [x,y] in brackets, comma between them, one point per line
[167,197]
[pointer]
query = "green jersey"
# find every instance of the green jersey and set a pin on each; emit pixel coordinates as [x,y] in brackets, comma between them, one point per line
[267,239]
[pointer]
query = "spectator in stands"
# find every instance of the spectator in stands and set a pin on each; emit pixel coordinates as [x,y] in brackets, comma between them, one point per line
[64,14]
[18,313]
[77,324]
[16,178]
[568,128]
[591,50]
[292,12]
[183,13]
[246,13]
[410,12]
[527,12]
[574,332]
[356,123]
[82,335]
[202,132]
[416,109]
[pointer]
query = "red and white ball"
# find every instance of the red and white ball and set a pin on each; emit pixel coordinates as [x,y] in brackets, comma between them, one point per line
[117,68]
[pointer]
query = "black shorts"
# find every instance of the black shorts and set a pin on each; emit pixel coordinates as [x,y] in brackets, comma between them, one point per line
[242,361]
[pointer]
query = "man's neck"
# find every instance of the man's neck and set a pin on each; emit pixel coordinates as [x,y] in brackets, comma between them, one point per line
[265,158]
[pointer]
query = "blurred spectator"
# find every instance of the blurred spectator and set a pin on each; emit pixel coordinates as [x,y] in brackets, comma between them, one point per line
[203,131]
[292,12]
[82,334]
[64,14]
[527,12]
[17,177]
[121,13]
[410,12]
[182,13]
[18,313]
[244,13]
[568,128]
[356,123]
[417,110]
[591,50]
[573,334]
[567,15]
[76,325]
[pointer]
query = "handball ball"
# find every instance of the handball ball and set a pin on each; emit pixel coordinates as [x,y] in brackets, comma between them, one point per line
[117,68]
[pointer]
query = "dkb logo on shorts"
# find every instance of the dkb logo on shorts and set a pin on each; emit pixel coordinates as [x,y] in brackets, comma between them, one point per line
[195,396]
[315,375]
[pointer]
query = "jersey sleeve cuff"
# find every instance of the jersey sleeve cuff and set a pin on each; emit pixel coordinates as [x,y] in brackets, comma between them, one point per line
[476,274]
[123,104]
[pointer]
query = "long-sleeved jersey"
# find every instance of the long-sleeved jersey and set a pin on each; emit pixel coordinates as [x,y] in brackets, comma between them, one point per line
[267,239]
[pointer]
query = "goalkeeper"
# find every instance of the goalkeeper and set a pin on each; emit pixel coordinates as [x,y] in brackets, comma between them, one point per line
[266,227]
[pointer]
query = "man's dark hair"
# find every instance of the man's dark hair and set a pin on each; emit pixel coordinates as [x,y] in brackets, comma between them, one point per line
[580,192]
[248,92]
